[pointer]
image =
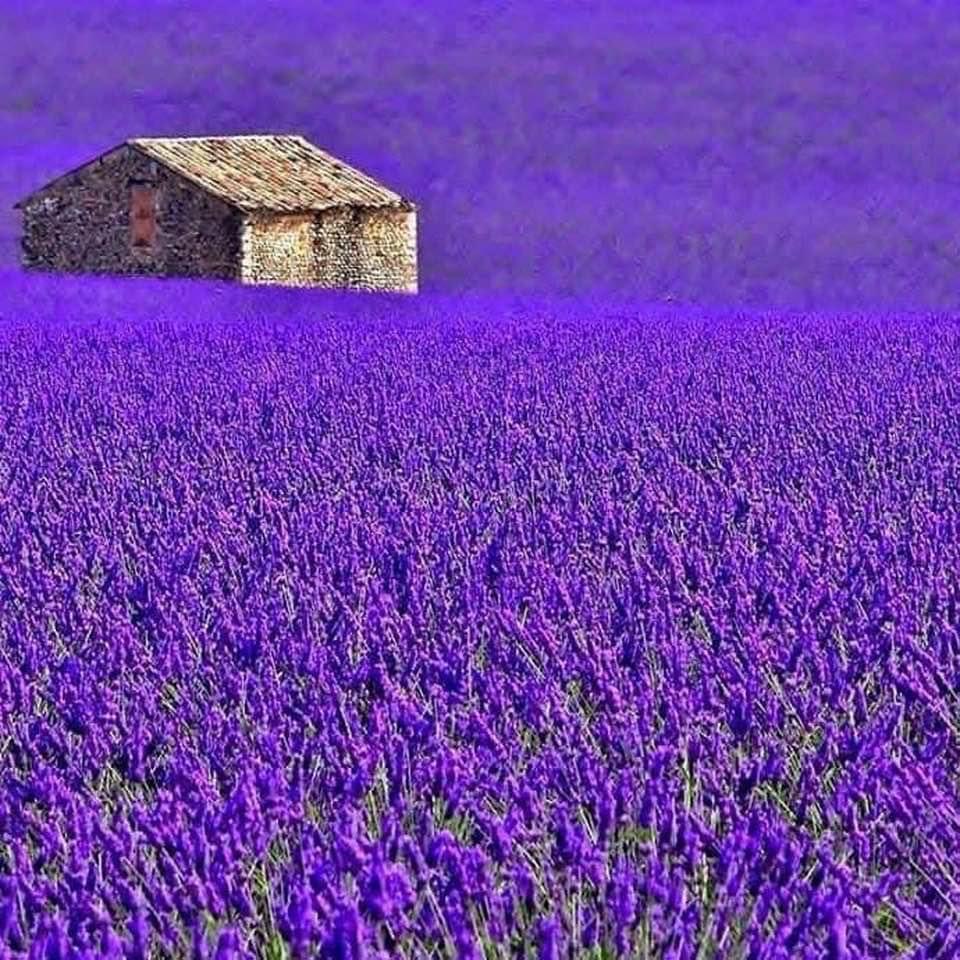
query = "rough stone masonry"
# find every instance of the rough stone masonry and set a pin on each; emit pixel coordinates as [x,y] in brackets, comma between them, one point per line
[264,209]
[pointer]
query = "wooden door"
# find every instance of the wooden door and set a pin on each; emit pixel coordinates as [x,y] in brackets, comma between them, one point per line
[143,215]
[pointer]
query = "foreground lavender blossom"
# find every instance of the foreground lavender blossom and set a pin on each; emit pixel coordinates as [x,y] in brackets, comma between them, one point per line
[411,631]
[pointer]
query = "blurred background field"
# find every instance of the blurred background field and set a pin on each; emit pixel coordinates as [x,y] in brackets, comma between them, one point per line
[750,154]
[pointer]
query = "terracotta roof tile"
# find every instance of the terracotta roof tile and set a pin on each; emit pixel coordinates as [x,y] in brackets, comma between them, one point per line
[268,172]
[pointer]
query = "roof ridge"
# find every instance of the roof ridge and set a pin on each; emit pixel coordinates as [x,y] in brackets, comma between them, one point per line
[224,136]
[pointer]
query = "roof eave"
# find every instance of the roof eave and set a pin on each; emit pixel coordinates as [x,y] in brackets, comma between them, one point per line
[400,204]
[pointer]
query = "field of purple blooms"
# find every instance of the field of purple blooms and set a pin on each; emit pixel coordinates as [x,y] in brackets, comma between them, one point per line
[418,628]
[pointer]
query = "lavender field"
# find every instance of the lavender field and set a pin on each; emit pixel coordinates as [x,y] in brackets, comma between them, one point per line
[601,602]
[380,629]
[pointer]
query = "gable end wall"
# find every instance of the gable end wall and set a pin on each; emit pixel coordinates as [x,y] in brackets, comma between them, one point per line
[81,223]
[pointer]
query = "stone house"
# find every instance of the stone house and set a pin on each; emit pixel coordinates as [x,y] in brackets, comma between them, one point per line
[258,209]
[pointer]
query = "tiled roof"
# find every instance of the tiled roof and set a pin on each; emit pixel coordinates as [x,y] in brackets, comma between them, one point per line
[283,173]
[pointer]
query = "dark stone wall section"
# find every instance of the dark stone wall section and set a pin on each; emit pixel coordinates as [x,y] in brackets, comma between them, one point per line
[81,224]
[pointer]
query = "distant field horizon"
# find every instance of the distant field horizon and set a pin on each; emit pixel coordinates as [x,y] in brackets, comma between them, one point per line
[768,155]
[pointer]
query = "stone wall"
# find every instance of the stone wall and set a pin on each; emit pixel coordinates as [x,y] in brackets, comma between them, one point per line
[81,223]
[344,247]
[278,248]
[387,250]
[367,248]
